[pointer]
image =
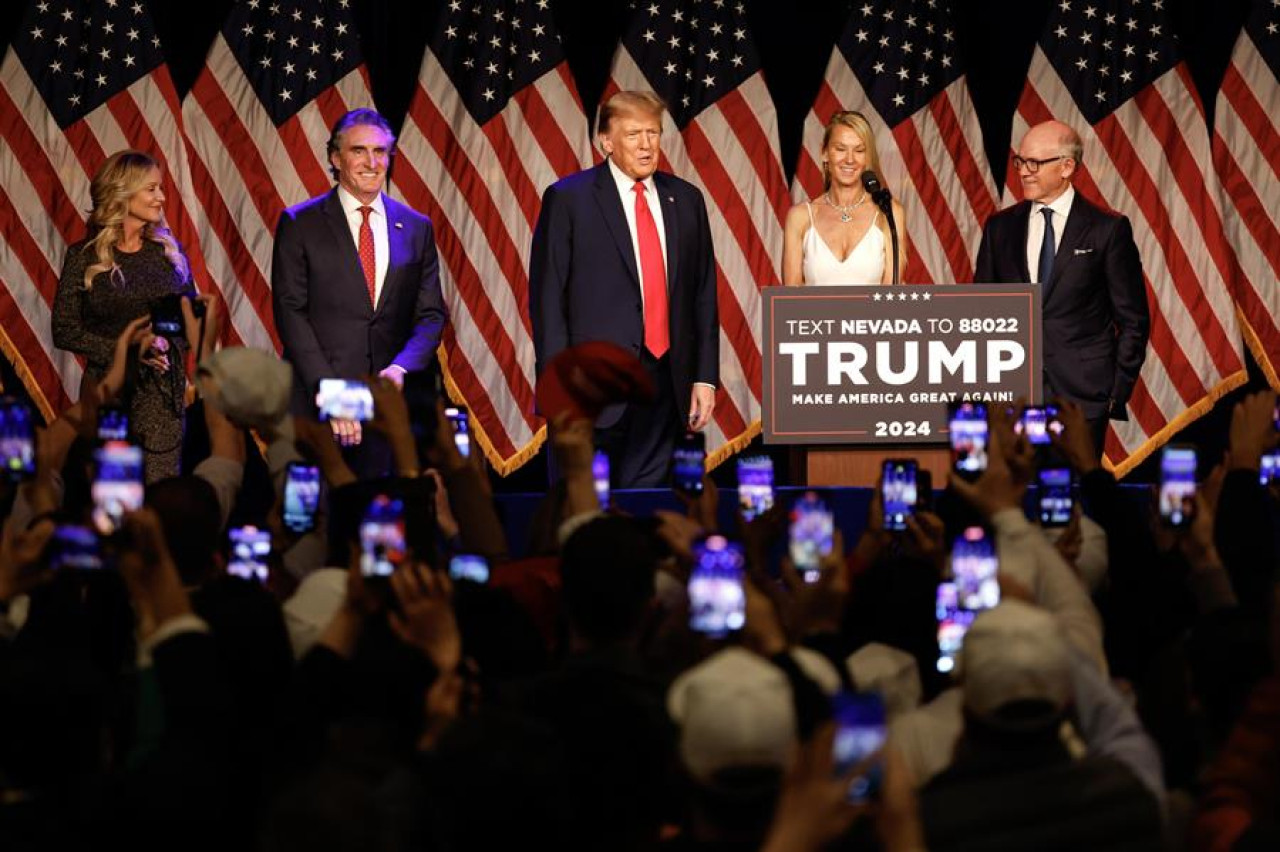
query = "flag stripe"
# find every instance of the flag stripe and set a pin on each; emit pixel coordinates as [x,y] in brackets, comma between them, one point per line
[932,203]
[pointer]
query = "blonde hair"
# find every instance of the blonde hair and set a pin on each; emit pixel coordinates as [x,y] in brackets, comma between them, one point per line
[644,102]
[858,123]
[122,175]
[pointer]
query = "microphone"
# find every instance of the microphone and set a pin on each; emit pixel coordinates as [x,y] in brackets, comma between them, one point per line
[880,195]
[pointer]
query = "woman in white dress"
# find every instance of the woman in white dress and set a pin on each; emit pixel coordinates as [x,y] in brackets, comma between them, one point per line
[841,237]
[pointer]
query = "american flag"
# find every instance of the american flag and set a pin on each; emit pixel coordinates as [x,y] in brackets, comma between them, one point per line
[81,81]
[897,63]
[1113,70]
[720,134]
[1246,156]
[494,120]
[277,77]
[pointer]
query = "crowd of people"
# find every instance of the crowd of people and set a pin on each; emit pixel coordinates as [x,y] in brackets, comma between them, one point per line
[1123,693]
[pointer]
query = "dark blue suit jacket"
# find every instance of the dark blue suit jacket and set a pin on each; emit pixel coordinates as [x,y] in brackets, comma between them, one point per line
[321,302]
[584,283]
[1094,311]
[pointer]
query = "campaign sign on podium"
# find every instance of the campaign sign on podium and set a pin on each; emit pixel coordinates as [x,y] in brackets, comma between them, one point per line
[878,365]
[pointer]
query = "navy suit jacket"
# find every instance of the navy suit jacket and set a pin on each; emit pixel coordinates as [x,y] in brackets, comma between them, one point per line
[321,302]
[1094,311]
[584,283]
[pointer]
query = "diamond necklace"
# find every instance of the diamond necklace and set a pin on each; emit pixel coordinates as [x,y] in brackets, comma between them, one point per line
[846,212]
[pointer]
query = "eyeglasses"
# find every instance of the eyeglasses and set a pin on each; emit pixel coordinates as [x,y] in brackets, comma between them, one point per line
[1033,166]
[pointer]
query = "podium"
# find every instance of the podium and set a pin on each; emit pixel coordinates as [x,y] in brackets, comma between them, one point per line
[859,467]
[852,376]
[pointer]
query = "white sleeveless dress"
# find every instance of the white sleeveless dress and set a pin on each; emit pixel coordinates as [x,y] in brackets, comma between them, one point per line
[863,266]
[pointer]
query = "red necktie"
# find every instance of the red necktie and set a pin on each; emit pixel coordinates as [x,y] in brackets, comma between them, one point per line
[653,275]
[367,258]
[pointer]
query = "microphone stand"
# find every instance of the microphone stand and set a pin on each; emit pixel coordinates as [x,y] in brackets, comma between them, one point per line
[884,201]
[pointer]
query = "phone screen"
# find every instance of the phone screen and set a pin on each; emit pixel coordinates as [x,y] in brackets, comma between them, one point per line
[812,527]
[166,316]
[1178,485]
[344,399]
[470,567]
[898,492]
[250,551]
[75,547]
[1038,423]
[972,589]
[689,463]
[461,431]
[382,546]
[1055,496]
[600,474]
[861,731]
[717,599]
[113,424]
[1270,470]
[17,440]
[117,485]
[968,431]
[755,486]
[301,497]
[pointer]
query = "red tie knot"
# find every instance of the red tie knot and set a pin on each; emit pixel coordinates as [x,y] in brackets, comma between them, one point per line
[639,187]
[365,211]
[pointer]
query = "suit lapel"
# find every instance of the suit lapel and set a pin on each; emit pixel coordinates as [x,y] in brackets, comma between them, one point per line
[397,248]
[1073,233]
[1023,222]
[615,219]
[350,274]
[670,224]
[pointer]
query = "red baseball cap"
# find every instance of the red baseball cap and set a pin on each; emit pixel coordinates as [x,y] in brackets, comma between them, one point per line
[586,378]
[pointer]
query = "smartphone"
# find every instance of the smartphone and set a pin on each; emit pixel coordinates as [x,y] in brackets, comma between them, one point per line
[600,474]
[250,551]
[861,731]
[1270,470]
[898,492]
[717,598]
[1055,496]
[469,567]
[166,316]
[973,587]
[17,440]
[812,527]
[755,486]
[301,497]
[1038,423]
[117,485]
[1178,485]
[924,491]
[382,547]
[688,463]
[457,416]
[113,424]
[344,399]
[75,547]
[967,427]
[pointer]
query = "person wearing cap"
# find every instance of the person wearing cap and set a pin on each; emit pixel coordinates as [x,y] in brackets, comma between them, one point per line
[355,277]
[1021,778]
[622,253]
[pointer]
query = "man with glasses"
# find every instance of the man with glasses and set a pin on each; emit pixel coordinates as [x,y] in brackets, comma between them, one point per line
[1093,301]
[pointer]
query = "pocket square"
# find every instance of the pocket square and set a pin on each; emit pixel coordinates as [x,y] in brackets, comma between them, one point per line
[400,226]
[1077,251]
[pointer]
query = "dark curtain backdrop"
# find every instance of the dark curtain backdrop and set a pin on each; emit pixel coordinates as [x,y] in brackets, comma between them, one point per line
[795,38]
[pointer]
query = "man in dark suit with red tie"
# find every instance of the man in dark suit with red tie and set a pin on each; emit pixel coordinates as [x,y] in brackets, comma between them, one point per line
[622,253]
[355,277]
[1093,300]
